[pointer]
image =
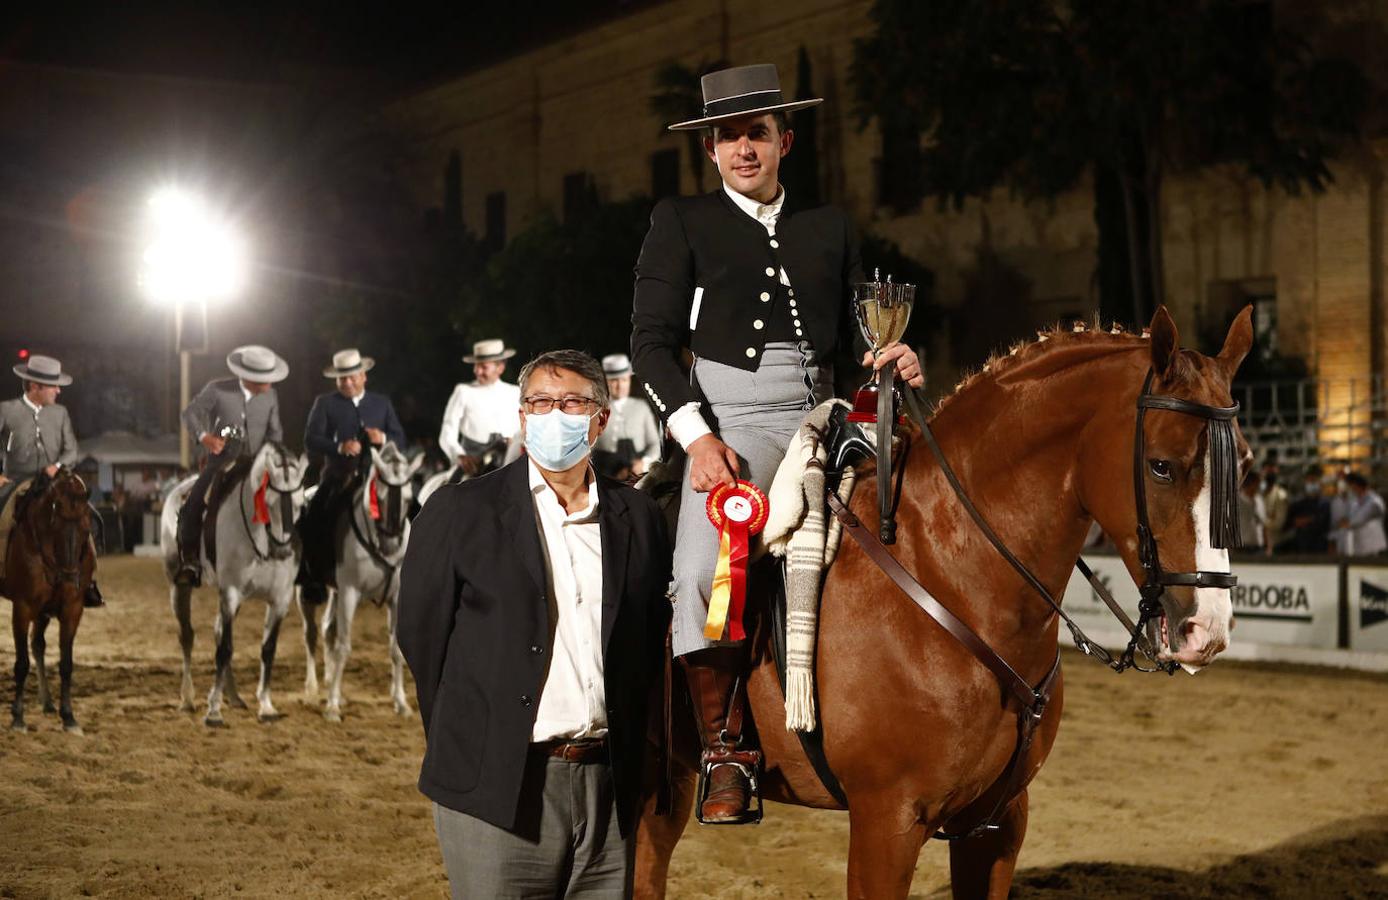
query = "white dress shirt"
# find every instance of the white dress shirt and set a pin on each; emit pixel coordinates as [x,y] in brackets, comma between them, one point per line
[632,419]
[573,700]
[477,412]
[687,424]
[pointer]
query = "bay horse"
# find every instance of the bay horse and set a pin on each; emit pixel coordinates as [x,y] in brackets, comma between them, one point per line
[257,556]
[918,732]
[370,537]
[48,565]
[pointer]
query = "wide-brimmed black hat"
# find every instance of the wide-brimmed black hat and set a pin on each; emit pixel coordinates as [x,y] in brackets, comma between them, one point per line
[742,91]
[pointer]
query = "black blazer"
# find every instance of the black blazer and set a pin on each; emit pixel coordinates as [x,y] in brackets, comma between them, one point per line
[707,242]
[334,419]
[475,629]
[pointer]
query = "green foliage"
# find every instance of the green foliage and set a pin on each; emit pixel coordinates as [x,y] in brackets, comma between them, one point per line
[1031,95]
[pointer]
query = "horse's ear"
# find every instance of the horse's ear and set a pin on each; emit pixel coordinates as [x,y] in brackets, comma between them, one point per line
[416,463]
[1238,342]
[303,460]
[375,457]
[258,465]
[1166,342]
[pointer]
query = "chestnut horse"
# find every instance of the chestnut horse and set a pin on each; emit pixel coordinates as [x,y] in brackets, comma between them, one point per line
[48,566]
[918,732]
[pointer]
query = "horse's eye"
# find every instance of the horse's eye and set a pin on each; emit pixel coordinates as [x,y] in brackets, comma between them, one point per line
[1161,469]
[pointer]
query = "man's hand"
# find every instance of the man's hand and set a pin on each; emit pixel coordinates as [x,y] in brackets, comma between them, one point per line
[638,467]
[376,436]
[3,481]
[51,471]
[907,365]
[349,448]
[214,444]
[711,463]
[470,465]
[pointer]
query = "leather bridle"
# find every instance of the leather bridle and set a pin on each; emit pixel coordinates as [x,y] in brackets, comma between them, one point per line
[1224,511]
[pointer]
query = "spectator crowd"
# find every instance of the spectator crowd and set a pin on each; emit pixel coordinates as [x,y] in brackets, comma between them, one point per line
[1337,513]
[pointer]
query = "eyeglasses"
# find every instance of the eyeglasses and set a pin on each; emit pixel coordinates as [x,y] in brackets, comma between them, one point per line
[540,404]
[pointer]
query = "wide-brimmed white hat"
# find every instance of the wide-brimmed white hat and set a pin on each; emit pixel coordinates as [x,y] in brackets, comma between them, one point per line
[256,363]
[44,370]
[742,91]
[615,365]
[490,350]
[348,362]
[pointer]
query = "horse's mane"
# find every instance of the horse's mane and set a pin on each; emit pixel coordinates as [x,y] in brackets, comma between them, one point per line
[1061,334]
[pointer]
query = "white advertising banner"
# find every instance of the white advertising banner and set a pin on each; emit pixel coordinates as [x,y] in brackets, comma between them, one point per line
[1368,607]
[1296,605]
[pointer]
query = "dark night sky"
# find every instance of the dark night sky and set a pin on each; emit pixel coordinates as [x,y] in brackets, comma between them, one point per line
[258,41]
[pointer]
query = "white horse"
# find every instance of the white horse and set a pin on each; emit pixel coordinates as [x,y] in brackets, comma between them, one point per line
[370,541]
[493,458]
[254,559]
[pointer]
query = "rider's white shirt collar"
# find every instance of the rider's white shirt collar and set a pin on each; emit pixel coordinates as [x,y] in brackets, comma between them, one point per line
[765,213]
[29,403]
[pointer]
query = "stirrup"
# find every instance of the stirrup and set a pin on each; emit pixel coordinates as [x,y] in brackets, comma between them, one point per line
[748,761]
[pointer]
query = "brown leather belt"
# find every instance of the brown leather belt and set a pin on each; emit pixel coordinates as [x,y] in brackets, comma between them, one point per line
[579,750]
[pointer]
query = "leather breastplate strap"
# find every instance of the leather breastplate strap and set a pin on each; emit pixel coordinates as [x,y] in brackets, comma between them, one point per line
[1031,702]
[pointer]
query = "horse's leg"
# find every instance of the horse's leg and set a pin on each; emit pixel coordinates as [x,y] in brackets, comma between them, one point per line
[275,611]
[343,611]
[20,623]
[181,599]
[329,634]
[397,661]
[656,836]
[982,866]
[68,620]
[226,617]
[308,612]
[884,841]
[39,643]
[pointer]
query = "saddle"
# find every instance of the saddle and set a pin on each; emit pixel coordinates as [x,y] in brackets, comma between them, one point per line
[223,484]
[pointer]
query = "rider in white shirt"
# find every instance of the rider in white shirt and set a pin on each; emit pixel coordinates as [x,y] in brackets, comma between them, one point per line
[482,415]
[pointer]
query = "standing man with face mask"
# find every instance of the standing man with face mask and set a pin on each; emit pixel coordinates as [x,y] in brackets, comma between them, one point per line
[480,419]
[344,426]
[533,616]
[759,290]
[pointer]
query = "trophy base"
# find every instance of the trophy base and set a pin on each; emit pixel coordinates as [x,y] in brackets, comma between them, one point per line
[864,409]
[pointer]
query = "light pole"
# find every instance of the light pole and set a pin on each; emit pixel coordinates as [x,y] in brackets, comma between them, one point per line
[191,258]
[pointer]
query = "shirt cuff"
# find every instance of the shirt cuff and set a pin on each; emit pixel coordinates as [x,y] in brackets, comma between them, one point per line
[687,424]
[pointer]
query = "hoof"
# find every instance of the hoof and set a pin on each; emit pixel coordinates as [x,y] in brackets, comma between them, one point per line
[73,728]
[49,707]
[19,727]
[403,709]
[332,715]
[267,718]
[187,706]
[217,722]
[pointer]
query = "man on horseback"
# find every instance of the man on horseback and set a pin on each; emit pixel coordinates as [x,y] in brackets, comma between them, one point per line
[231,417]
[631,442]
[482,417]
[343,426]
[759,289]
[36,439]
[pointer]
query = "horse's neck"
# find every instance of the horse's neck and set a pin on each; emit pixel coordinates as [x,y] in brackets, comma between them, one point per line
[1016,446]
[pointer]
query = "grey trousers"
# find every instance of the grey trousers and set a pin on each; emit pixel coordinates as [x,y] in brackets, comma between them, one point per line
[565,844]
[758,413]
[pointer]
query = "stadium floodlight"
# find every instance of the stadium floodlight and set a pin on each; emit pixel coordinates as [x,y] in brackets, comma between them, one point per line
[191,256]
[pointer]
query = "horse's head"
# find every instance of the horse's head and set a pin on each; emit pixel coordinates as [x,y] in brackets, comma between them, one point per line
[1171,503]
[392,488]
[70,498]
[282,475]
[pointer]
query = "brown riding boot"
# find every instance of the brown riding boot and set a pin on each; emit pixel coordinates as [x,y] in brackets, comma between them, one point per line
[730,761]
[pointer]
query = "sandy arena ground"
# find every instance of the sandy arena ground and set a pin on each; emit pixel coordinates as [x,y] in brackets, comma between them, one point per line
[1258,781]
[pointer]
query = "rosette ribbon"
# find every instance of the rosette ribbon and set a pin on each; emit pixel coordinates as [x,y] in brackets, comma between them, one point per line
[738,511]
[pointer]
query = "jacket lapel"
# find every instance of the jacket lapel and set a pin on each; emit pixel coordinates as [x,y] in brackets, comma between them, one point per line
[519,525]
[616,542]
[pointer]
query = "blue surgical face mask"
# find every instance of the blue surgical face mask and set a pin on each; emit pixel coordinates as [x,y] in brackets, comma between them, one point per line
[557,440]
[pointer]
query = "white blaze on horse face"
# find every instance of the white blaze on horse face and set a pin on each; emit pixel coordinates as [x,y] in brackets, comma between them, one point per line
[1209,622]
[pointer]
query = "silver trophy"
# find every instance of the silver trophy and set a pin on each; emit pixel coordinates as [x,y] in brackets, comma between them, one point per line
[882,309]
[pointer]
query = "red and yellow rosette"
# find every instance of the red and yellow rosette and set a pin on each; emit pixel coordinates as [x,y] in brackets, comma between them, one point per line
[738,511]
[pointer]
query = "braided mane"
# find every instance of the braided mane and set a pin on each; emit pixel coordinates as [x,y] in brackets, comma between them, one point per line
[1061,334]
